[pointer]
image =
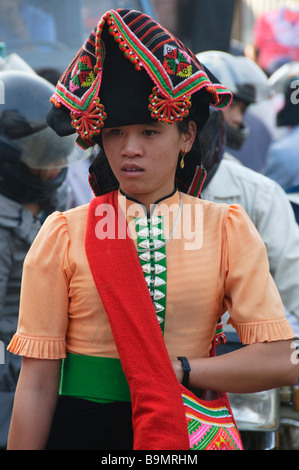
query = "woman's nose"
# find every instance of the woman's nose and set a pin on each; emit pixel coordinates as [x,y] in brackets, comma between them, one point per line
[131,147]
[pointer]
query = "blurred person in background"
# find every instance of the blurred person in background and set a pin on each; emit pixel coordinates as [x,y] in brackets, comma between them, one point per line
[248,135]
[33,161]
[282,164]
[276,38]
[80,191]
[21,21]
[264,201]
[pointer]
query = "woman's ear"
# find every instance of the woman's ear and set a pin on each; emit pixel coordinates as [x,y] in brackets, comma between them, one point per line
[190,136]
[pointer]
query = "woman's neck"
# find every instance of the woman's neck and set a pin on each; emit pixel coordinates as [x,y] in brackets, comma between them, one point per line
[147,202]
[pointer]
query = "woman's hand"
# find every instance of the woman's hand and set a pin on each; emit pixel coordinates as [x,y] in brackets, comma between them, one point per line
[178,370]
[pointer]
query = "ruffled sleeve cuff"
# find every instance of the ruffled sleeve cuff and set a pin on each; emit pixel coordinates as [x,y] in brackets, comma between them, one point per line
[259,332]
[46,348]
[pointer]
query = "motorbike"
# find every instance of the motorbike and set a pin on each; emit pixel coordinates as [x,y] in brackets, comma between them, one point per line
[267,420]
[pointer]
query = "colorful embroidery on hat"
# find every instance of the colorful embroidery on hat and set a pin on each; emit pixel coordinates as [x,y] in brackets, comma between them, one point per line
[174,70]
[82,75]
[176,62]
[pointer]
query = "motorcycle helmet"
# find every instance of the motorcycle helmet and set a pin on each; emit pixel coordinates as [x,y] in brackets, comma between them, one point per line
[26,141]
[285,81]
[244,78]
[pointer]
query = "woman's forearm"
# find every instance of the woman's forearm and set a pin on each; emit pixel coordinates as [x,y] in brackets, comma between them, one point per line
[34,405]
[253,368]
[30,425]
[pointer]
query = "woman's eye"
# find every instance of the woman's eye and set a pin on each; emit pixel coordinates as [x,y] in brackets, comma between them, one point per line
[110,132]
[115,131]
[150,132]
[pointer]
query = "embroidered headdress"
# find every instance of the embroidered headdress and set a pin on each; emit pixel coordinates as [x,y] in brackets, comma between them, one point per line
[130,70]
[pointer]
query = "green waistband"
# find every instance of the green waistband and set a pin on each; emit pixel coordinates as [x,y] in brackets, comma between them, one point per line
[93,378]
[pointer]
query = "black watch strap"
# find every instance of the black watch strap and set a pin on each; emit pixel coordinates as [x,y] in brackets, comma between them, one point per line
[186,369]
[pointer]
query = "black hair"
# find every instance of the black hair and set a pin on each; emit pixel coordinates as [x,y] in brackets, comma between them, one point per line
[193,158]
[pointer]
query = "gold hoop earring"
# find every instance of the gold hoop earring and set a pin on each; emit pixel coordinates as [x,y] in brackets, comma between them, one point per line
[182,162]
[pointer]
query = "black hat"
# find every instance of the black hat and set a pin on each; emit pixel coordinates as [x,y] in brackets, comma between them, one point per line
[131,70]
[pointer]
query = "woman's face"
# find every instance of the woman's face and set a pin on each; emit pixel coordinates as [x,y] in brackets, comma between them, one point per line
[144,157]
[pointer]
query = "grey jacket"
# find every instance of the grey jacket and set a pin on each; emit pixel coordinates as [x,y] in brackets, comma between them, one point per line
[269,209]
[18,228]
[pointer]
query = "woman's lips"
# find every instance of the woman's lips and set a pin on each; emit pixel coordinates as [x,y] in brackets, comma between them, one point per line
[131,169]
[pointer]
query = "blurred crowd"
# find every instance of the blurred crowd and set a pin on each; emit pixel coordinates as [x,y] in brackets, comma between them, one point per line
[250,150]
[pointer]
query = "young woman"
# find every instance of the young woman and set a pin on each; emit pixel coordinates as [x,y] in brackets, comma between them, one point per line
[142,259]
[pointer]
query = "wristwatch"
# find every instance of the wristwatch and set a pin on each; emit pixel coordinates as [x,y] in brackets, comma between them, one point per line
[186,369]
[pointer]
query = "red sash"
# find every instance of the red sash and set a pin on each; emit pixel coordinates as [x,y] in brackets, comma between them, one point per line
[158,416]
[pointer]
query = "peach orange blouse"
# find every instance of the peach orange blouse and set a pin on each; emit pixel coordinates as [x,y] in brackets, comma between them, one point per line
[216,261]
